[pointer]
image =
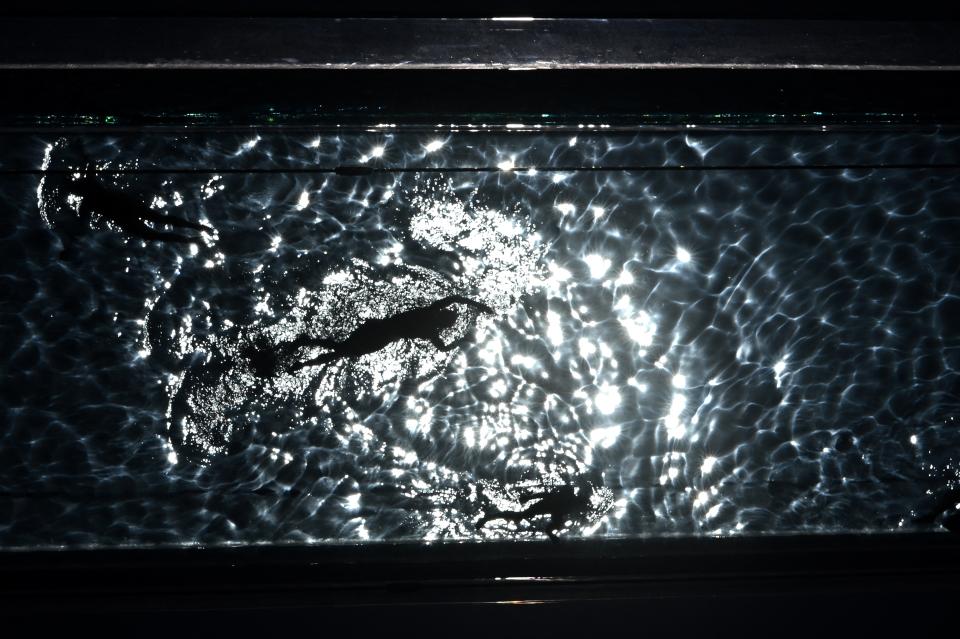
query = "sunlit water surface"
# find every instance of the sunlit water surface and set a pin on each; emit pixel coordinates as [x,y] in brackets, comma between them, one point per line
[739,346]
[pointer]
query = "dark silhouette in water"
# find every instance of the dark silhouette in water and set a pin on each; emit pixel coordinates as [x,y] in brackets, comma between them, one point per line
[263,358]
[374,334]
[559,502]
[945,503]
[128,212]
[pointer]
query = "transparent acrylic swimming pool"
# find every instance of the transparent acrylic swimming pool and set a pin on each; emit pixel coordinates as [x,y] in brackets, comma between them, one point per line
[695,331]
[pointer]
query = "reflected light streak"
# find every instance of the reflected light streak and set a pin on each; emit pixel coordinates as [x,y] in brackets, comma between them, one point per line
[608,399]
[707,466]
[597,264]
[676,429]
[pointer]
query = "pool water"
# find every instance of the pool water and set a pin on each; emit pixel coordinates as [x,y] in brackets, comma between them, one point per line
[719,332]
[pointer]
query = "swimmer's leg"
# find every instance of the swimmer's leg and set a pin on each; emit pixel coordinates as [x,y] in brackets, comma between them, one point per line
[288,348]
[556,523]
[450,300]
[551,531]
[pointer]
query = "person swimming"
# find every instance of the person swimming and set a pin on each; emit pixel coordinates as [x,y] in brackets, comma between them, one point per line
[375,334]
[371,336]
[559,502]
[129,213]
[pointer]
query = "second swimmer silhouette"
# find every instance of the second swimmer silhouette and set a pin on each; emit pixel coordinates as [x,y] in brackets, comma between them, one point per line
[557,502]
[129,213]
[372,335]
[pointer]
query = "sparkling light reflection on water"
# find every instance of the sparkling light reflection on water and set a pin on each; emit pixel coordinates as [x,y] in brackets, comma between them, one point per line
[710,351]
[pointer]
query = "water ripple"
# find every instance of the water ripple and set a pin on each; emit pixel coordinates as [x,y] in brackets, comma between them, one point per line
[723,351]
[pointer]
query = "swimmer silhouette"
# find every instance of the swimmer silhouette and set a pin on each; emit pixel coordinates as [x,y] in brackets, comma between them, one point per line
[559,502]
[374,334]
[128,212]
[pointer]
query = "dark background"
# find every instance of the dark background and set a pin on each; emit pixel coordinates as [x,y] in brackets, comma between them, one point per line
[812,9]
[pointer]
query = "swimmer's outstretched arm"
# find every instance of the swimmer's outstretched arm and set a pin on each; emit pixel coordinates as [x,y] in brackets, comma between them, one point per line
[450,300]
[438,343]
